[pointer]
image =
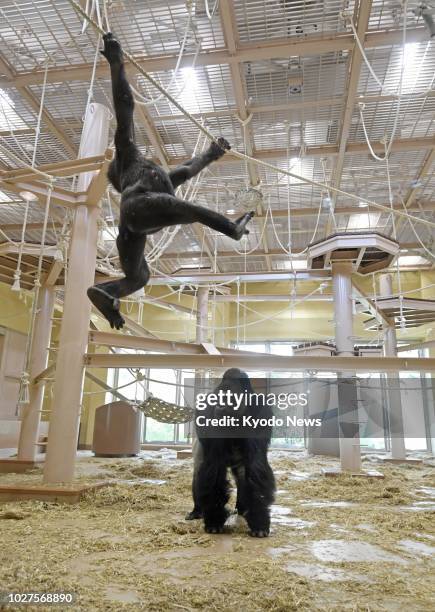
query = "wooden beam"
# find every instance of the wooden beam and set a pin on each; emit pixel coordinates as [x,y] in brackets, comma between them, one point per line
[68,167]
[76,166]
[355,63]
[99,183]
[246,52]
[371,305]
[156,344]
[327,150]
[268,363]
[55,271]
[154,137]
[11,227]
[229,28]
[34,103]
[154,301]
[40,190]
[105,386]
[278,252]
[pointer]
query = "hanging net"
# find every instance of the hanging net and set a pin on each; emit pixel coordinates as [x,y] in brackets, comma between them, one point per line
[165,412]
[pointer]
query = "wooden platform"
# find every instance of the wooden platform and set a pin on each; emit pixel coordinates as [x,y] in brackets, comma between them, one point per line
[184,454]
[335,472]
[415,312]
[59,494]
[406,460]
[18,466]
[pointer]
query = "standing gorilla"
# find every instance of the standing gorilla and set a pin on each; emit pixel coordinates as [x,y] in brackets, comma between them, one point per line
[148,201]
[247,458]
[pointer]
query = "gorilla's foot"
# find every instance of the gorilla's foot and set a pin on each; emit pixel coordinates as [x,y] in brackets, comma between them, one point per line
[194,514]
[107,305]
[261,533]
[214,528]
[240,225]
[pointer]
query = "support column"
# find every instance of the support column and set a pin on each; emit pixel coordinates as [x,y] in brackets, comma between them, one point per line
[395,413]
[202,314]
[201,336]
[31,415]
[66,405]
[348,422]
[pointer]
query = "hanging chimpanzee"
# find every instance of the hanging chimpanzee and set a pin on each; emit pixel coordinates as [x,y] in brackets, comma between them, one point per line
[247,458]
[148,201]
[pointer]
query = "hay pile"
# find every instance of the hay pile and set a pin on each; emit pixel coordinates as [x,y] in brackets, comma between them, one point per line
[127,546]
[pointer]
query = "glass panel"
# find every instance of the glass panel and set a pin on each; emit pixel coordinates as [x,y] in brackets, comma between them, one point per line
[155,431]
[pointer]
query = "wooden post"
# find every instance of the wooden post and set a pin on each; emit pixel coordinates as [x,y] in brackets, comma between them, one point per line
[200,337]
[202,316]
[350,453]
[66,405]
[31,415]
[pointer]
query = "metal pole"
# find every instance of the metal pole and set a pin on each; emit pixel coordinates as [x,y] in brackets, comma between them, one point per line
[395,413]
[66,405]
[350,454]
[31,416]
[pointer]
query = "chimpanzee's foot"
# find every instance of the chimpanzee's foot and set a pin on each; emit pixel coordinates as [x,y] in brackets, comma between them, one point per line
[240,225]
[107,305]
[194,514]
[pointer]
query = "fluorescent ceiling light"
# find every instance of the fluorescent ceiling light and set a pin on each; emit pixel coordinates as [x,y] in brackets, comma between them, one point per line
[410,70]
[9,119]
[189,86]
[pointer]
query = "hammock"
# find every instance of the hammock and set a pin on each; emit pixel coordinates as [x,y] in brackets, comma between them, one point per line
[165,412]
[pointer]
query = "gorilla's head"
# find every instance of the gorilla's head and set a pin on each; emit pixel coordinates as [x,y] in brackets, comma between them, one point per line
[237,382]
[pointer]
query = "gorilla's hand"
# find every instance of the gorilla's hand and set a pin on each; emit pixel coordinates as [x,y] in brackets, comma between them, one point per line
[112,49]
[217,149]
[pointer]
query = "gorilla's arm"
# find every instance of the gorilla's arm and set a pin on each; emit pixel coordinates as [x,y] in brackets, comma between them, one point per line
[193,166]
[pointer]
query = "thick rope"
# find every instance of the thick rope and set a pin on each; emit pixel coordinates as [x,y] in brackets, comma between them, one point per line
[236,153]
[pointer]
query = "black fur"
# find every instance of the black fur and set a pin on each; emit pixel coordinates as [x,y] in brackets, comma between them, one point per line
[247,459]
[148,201]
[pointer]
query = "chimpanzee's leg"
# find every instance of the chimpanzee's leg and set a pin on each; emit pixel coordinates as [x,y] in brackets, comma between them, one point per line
[212,492]
[105,296]
[260,488]
[148,211]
